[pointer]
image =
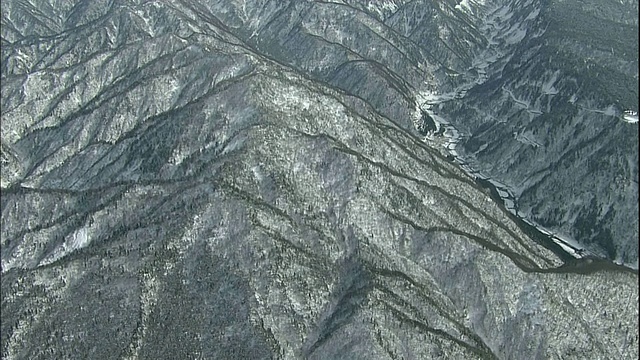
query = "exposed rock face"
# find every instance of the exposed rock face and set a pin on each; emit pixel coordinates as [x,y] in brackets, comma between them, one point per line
[244,180]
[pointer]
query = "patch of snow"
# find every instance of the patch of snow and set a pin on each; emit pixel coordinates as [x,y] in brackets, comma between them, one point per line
[610,110]
[526,138]
[630,117]
[463,6]
[548,88]
[510,205]
[381,7]
[235,143]
[257,173]
[568,244]
[532,15]
[76,241]
[515,36]
[80,239]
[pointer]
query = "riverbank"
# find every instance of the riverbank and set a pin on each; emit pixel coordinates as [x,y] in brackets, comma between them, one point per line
[567,249]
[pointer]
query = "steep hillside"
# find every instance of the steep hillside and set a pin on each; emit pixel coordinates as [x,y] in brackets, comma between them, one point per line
[549,124]
[249,179]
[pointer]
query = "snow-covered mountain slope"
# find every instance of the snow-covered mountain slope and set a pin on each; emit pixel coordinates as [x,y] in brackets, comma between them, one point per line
[550,123]
[245,179]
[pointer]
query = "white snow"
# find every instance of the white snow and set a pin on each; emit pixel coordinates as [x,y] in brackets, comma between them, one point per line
[257,173]
[610,110]
[534,14]
[573,99]
[463,5]
[516,35]
[498,31]
[510,205]
[527,138]
[548,88]
[567,249]
[568,244]
[630,116]
[80,239]
[381,7]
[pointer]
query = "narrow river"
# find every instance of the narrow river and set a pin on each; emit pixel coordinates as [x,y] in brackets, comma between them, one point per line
[567,249]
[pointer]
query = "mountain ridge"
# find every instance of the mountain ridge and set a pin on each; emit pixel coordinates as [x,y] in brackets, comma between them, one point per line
[202,200]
